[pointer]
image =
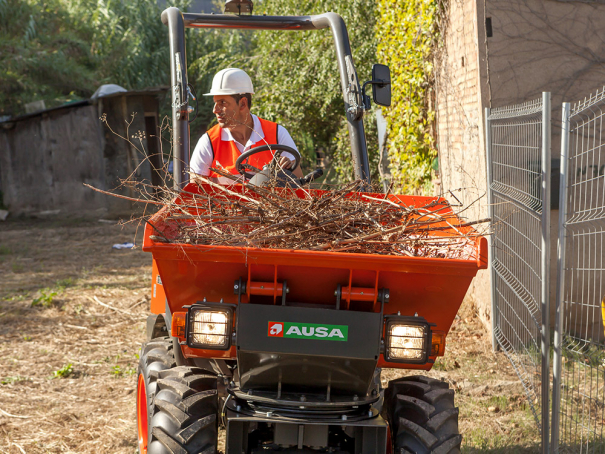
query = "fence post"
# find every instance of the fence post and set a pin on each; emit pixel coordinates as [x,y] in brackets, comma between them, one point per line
[557,363]
[490,179]
[545,267]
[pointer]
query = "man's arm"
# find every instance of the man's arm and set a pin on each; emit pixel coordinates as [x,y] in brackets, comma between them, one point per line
[284,138]
[201,159]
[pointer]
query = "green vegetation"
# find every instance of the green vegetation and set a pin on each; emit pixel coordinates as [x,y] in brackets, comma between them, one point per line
[44,55]
[16,267]
[299,84]
[409,34]
[11,380]
[64,283]
[117,371]
[47,295]
[295,77]
[61,51]
[64,372]
[45,299]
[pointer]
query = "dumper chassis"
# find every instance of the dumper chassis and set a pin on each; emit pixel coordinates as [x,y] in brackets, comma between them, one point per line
[297,338]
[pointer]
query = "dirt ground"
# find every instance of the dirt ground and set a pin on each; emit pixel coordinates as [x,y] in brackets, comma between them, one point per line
[72,319]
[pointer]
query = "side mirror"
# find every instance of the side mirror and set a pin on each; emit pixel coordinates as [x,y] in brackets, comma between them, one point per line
[381,85]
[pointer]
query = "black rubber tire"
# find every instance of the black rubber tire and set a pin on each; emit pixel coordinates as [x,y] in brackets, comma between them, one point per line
[156,355]
[184,412]
[422,416]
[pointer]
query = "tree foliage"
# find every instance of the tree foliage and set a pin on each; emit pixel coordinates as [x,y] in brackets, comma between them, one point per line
[44,54]
[68,48]
[62,50]
[295,76]
[299,83]
[407,35]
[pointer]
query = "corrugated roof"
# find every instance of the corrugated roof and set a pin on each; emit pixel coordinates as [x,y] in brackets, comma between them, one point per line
[85,102]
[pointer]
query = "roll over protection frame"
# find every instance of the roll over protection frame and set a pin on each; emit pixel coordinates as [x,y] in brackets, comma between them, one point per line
[351,90]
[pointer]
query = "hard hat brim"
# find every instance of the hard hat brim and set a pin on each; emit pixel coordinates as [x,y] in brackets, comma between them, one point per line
[227,92]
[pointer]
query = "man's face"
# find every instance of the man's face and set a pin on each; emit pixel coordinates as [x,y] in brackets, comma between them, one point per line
[227,111]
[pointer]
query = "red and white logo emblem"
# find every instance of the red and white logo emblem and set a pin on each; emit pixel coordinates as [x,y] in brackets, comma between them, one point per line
[276,329]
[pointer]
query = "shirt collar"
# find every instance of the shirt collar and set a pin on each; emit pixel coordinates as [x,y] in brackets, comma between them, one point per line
[257,135]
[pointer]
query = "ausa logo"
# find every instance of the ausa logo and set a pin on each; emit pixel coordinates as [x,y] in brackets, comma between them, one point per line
[309,331]
[276,329]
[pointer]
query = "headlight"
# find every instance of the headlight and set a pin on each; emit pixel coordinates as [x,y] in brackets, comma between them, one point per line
[408,339]
[210,326]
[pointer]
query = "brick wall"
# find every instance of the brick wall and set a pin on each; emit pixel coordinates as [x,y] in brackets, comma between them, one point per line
[536,46]
[460,126]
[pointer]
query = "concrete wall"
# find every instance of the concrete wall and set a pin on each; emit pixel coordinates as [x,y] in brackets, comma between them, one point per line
[125,160]
[45,159]
[545,45]
[540,45]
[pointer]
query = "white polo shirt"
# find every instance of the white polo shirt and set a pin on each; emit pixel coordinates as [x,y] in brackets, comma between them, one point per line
[202,157]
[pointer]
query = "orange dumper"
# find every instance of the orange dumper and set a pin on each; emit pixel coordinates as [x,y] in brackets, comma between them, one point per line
[283,348]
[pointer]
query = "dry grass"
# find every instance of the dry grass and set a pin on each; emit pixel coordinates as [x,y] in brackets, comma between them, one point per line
[92,410]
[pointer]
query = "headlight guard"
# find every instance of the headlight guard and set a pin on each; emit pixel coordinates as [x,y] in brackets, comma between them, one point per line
[209,326]
[407,339]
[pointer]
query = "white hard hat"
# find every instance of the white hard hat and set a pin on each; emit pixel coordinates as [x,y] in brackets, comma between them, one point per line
[231,81]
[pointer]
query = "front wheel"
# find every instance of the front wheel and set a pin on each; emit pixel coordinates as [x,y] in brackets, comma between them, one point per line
[176,405]
[422,417]
[156,355]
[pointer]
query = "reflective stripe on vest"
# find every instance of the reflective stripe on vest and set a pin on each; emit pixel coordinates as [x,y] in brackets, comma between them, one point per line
[226,152]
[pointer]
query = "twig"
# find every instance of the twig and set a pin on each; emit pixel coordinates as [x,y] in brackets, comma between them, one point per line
[120,311]
[119,196]
[14,416]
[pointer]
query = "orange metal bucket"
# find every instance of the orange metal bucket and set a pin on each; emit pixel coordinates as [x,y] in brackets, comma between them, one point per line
[430,287]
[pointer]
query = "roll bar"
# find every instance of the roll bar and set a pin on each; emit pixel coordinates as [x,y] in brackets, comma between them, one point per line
[351,90]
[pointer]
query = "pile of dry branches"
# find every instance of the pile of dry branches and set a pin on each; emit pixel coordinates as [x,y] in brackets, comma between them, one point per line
[340,220]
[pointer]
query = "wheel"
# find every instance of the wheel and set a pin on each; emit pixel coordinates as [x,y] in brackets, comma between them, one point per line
[422,417]
[185,412]
[277,148]
[176,405]
[156,355]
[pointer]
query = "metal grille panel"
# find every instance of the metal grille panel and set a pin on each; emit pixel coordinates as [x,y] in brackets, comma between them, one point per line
[579,360]
[518,157]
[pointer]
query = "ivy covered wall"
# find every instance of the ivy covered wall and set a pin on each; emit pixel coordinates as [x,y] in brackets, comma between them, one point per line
[408,33]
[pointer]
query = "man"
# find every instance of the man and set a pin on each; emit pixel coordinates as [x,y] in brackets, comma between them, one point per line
[237,130]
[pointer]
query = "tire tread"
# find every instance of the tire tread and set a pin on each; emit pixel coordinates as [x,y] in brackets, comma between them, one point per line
[182,403]
[422,416]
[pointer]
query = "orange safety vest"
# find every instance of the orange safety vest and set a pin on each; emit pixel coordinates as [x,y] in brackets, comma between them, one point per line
[226,153]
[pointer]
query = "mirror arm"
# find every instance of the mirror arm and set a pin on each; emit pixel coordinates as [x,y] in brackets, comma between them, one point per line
[366,99]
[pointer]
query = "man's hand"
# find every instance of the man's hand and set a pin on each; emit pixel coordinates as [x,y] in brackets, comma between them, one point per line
[285,163]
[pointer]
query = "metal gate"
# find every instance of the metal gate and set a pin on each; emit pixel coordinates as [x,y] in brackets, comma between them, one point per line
[518,171]
[579,355]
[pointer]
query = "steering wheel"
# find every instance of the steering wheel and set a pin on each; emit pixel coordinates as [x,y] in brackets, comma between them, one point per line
[241,167]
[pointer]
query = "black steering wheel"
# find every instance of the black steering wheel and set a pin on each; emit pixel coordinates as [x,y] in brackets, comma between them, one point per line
[241,167]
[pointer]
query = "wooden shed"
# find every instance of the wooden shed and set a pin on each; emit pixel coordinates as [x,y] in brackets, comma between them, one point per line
[46,156]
